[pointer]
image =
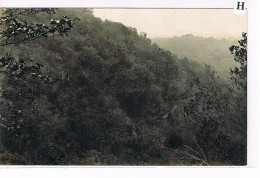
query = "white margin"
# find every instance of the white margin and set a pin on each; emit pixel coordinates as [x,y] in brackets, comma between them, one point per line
[251,171]
[120,3]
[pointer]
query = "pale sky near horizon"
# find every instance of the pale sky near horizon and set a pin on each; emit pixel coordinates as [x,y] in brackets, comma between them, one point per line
[218,23]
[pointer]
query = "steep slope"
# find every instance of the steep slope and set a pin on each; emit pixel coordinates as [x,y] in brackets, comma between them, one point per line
[105,95]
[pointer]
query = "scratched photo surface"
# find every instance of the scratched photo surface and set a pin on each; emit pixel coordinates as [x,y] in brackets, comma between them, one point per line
[129,87]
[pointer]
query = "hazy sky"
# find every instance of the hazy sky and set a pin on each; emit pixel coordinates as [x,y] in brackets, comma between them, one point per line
[176,22]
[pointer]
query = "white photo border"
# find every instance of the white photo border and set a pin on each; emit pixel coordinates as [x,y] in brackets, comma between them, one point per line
[252,170]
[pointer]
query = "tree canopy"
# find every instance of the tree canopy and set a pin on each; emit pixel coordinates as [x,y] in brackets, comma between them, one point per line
[99,93]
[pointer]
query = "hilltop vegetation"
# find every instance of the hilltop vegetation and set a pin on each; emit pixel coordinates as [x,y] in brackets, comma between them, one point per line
[214,52]
[104,95]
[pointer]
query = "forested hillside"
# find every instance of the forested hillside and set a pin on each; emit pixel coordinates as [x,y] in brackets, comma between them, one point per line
[214,52]
[82,91]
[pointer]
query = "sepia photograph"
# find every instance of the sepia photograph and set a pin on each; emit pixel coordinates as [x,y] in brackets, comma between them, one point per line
[123,86]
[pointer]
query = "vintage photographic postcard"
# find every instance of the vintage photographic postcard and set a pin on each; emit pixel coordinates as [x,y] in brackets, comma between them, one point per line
[124,86]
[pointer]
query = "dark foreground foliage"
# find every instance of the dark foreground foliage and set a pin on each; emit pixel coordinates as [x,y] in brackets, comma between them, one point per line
[104,95]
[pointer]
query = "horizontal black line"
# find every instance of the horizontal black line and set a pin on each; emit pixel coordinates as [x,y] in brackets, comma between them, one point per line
[124,7]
